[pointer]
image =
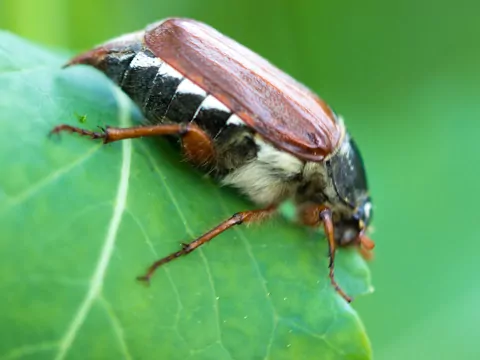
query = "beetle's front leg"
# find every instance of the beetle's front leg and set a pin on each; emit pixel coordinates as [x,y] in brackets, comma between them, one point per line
[313,216]
[325,216]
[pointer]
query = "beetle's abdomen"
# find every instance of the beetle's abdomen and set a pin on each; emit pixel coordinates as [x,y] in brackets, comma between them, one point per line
[161,92]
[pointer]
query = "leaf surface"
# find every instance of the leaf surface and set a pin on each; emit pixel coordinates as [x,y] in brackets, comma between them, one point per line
[80,220]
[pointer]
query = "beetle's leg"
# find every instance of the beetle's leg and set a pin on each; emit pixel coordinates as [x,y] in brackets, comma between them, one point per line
[197,145]
[326,218]
[111,134]
[236,219]
[69,128]
[311,216]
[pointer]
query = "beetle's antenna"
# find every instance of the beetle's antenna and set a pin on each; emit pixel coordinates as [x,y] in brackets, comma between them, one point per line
[366,246]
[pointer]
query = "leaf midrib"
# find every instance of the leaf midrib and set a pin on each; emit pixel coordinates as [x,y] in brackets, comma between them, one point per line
[96,281]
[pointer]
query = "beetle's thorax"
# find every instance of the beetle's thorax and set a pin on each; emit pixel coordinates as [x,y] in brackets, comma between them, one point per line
[274,176]
[271,177]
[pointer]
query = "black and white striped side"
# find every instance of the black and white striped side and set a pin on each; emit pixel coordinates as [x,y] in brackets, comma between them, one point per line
[165,95]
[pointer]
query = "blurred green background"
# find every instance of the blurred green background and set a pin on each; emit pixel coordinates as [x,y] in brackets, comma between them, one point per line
[406,77]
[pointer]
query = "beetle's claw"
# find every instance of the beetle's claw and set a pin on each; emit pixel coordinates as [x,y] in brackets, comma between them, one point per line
[144,279]
[56,130]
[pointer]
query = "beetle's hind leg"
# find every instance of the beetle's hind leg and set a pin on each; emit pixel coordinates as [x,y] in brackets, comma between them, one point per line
[64,127]
[196,144]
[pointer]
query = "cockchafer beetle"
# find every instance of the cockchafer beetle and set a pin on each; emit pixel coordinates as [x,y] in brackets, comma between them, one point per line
[243,121]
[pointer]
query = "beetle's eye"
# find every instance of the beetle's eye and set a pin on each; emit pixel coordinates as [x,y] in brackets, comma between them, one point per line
[368,212]
[348,173]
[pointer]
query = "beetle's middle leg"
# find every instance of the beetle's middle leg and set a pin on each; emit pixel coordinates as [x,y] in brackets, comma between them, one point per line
[236,219]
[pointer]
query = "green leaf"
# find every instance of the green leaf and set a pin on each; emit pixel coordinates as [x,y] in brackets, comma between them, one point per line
[80,220]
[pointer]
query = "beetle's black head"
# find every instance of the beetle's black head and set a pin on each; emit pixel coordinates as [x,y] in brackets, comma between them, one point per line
[347,171]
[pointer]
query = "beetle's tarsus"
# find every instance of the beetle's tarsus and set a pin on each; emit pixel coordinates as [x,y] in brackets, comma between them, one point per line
[73,129]
[144,279]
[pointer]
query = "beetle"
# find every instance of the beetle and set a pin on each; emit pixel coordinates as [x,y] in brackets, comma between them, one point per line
[245,122]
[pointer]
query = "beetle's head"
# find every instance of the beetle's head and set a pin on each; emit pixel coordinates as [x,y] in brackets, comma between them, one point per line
[347,172]
[352,229]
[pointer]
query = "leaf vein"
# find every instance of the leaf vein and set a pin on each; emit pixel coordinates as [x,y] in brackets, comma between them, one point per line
[96,281]
[117,327]
[192,235]
[32,190]
[262,279]
[321,337]
[180,306]
[28,350]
